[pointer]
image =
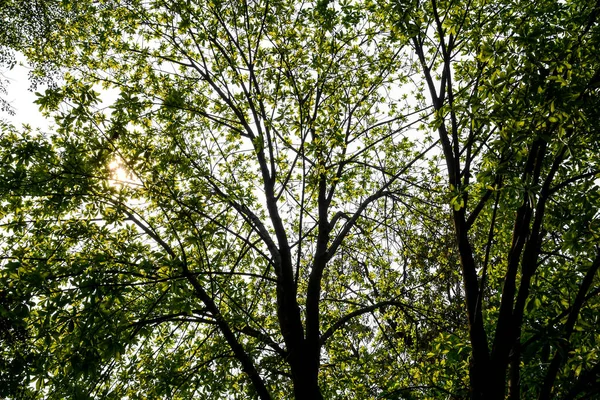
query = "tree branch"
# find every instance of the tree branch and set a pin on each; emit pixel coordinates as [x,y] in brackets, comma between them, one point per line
[342,321]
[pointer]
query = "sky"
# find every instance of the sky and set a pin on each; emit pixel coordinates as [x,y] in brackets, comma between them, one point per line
[21,98]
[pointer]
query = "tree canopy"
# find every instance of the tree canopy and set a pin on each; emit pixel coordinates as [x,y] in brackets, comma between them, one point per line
[314,200]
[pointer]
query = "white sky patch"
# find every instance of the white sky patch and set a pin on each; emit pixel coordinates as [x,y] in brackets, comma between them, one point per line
[21,98]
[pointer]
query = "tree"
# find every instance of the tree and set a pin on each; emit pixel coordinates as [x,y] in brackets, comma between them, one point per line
[275,198]
[237,248]
[514,92]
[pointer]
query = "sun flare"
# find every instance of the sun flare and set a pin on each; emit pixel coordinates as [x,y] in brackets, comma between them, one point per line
[118,173]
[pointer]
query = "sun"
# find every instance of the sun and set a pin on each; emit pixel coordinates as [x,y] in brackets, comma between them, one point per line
[119,175]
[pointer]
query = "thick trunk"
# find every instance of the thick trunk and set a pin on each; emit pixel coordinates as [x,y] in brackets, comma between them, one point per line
[304,363]
[487,382]
[306,385]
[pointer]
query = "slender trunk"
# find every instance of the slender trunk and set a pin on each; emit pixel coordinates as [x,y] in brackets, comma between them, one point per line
[557,360]
[480,375]
[514,383]
[479,367]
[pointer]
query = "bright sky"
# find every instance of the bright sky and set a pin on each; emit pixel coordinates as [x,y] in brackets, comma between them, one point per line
[21,98]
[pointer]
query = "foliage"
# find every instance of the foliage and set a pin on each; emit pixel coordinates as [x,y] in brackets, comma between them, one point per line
[24,22]
[319,200]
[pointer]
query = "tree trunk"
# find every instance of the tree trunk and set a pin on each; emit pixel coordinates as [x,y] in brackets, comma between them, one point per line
[305,373]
